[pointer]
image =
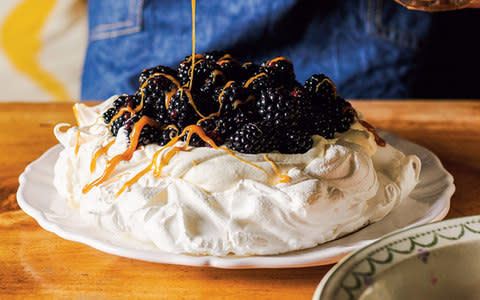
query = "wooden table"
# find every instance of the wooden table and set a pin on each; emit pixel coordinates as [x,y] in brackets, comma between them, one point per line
[35,263]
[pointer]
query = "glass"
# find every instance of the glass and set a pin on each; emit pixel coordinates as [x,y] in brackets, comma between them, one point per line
[435,5]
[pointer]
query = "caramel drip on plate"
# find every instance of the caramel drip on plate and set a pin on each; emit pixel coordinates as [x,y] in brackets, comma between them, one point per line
[251,79]
[283,177]
[98,153]
[380,142]
[77,142]
[157,168]
[127,155]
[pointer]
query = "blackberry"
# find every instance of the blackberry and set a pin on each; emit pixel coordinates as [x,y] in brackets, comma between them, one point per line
[250,138]
[214,56]
[208,124]
[296,141]
[201,70]
[215,79]
[166,135]
[257,83]
[277,108]
[180,111]
[149,135]
[342,114]
[303,101]
[250,69]
[319,85]
[157,86]
[146,73]
[320,124]
[231,69]
[119,122]
[230,122]
[121,101]
[280,70]
[109,114]
[226,97]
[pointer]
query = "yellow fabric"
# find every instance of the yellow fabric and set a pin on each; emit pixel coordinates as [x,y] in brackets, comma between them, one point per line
[42,44]
[22,43]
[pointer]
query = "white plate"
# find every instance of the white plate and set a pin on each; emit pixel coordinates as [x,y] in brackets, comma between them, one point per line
[429,201]
[433,261]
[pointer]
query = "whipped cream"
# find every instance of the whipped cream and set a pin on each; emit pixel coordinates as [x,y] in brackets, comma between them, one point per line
[207,202]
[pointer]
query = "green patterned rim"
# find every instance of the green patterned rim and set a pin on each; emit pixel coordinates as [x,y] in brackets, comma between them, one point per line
[356,272]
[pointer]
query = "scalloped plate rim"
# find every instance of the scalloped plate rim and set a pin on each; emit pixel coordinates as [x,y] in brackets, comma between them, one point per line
[360,254]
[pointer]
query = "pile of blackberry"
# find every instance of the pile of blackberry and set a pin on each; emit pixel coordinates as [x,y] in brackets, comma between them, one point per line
[247,107]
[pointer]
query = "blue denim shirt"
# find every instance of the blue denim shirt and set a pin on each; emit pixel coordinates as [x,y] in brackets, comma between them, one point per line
[369,48]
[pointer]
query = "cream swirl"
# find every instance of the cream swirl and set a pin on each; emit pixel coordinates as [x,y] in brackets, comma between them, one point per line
[208,202]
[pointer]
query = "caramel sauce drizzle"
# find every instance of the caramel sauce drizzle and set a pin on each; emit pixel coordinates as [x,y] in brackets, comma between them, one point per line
[330,82]
[75,113]
[251,79]
[380,142]
[270,62]
[77,142]
[193,44]
[238,102]
[120,113]
[197,56]
[169,94]
[192,103]
[127,155]
[157,168]
[283,177]
[223,92]
[98,153]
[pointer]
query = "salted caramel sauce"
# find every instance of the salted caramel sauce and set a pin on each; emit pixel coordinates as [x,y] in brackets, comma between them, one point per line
[127,155]
[283,177]
[77,142]
[169,94]
[270,62]
[157,168]
[193,44]
[251,79]
[192,103]
[120,113]
[223,92]
[330,82]
[380,142]
[238,102]
[75,113]
[98,153]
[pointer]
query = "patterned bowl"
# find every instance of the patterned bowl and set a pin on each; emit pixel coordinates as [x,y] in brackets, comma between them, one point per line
[434,261]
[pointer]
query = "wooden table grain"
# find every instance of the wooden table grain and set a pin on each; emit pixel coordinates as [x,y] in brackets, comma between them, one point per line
[35,263]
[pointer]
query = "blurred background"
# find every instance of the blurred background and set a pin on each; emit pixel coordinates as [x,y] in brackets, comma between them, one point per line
[42,49]
[369,48]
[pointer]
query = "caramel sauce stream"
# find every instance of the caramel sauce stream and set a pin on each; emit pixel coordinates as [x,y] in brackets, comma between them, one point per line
[127,155]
